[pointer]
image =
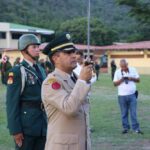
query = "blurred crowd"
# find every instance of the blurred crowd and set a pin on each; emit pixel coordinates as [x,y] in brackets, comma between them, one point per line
[5,66]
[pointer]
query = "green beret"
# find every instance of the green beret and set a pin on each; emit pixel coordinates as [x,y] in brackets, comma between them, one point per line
[60,43]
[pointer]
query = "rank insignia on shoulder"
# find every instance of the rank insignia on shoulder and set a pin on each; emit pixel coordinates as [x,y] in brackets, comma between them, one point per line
[56,85]
[10,78]
[52,80]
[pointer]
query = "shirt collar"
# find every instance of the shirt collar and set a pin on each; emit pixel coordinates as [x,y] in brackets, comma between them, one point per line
[62,73]
[29,62]
[125,71]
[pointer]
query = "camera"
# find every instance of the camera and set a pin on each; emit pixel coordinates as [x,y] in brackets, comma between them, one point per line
[86,63]
[126,80]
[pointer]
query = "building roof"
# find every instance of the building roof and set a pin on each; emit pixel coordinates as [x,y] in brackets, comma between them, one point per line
[144,45]
[128,46]
[24,28]
[119,46]
[83,47]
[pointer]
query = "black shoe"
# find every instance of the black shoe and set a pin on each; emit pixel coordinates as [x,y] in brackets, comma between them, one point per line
[139,132]
[125,131]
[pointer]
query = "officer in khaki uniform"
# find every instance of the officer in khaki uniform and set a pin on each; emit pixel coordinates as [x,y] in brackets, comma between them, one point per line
[25,113]
[65,98]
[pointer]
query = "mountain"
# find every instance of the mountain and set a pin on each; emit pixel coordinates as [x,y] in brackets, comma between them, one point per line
[52,13]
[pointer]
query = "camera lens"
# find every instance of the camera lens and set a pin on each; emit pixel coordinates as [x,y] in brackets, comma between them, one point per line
[126,80]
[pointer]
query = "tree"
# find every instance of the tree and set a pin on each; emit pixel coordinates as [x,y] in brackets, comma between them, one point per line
[100,34]
[140,10]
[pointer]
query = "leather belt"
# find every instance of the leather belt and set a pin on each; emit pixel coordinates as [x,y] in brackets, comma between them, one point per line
[33,104]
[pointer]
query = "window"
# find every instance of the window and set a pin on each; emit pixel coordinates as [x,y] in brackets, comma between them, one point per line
[47,38]
[16,36]
[2,35]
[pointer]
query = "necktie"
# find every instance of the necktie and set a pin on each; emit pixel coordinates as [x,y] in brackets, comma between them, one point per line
[38,72]
[73,78]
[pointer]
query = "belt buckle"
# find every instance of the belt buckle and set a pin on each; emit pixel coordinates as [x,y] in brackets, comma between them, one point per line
[42,107]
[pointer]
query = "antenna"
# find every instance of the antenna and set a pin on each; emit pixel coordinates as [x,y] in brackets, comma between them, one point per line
[88,28]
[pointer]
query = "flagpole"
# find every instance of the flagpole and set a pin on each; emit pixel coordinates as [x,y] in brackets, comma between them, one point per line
[88,28]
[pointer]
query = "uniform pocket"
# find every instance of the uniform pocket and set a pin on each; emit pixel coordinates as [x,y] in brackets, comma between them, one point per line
[66,142]
[29,117]
[26,118]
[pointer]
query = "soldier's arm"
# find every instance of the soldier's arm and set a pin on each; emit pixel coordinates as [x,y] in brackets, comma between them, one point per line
[13,101]
[54,94]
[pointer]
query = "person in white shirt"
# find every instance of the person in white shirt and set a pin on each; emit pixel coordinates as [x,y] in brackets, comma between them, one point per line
[80,64]
[125,79]
[77,70]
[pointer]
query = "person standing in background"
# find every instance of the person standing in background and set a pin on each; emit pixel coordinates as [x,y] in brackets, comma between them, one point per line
[17,61]
[5,67]
[48,66]
[125,79]
[97,70]
[113,69]
[80,64]
[77,70]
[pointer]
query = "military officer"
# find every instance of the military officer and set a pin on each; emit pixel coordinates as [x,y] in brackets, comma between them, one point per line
[26,117]
[65,98]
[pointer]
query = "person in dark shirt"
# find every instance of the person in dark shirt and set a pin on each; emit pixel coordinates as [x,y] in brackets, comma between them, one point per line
[113,69]
[5,67]
[97,70]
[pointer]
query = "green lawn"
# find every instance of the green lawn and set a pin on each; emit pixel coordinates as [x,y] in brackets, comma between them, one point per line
[5,140]
[105,118]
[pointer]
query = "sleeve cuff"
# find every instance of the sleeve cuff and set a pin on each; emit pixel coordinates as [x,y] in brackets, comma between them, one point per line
[83,81]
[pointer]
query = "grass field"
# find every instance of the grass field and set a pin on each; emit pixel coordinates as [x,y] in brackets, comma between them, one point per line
[105,118]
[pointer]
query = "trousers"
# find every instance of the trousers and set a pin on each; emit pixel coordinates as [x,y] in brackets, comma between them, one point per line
[128,104]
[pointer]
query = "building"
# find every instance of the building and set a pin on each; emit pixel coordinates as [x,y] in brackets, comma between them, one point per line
[10,33]
[137,53]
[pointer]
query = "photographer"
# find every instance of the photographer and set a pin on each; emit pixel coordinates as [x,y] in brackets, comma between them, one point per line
[126,78]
